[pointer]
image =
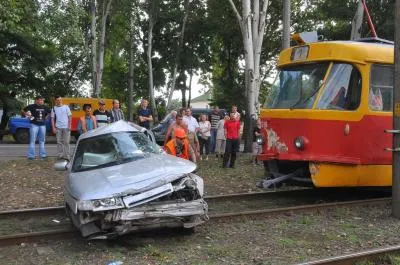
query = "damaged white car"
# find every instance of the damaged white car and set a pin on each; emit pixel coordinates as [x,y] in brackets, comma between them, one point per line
[120,181]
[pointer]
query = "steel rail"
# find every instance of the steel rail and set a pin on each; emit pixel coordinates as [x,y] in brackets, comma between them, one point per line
[350,259]
[71,233]
[272,193]
[299,208]
[61,209]
[56,234]
[33,211]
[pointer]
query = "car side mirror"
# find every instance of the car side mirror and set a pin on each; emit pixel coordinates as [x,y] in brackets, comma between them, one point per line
[60,165]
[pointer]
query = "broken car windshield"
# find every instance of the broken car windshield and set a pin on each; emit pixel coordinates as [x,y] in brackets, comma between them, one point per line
[112,149]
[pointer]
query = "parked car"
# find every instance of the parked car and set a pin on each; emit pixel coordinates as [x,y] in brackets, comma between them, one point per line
[120,181]
[160,129]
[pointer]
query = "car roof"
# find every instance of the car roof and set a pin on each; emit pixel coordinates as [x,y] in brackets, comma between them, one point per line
[119,126]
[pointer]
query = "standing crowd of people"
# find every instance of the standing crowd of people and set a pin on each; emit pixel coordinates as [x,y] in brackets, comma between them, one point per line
[217,133]
[61,122]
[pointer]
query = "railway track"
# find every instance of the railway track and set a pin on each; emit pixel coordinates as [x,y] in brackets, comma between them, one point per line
[67,232]
[353,258]
[303,196]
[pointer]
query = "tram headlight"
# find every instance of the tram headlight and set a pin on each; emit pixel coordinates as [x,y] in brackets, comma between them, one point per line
[260,140]
[299,143]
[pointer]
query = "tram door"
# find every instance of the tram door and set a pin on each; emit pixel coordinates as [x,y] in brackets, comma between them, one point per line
[380,107]
[342,97]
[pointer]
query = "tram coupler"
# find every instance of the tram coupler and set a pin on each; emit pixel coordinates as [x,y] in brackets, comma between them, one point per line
[278,178]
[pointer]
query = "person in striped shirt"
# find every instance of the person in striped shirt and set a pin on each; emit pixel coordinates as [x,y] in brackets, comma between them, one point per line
[214,118]
[103,117]
[116,113]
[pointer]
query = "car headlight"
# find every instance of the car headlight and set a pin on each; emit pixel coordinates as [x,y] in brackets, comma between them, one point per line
[190,183]
[260,140]
[101,204]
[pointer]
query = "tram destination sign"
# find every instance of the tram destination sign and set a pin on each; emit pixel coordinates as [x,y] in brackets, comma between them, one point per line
[299,53]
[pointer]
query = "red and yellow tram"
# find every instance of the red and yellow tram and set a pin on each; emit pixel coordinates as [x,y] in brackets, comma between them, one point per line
[325,118]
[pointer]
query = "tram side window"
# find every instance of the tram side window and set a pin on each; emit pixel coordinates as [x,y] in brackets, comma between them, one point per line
[381,87]
[343,88]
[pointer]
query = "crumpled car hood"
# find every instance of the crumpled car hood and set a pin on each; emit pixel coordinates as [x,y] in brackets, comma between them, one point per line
[129,178]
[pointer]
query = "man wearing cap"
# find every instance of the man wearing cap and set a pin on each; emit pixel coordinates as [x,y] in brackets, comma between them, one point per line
[179,146]
[103,117]
[37,114]
[171,128]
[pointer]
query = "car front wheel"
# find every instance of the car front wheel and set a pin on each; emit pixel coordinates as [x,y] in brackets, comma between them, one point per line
[22,136]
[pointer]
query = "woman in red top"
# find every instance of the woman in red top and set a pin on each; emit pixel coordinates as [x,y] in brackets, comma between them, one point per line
[232,129]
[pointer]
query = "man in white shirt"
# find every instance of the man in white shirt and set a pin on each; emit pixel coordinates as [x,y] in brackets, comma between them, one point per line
[193,125]
[61,125]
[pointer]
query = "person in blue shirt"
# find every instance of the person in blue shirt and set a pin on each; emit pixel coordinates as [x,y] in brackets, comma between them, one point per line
[145,115]
[87,122]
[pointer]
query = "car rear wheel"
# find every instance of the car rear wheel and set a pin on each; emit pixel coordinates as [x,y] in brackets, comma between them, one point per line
[76,135]
[187,231]
[22,136]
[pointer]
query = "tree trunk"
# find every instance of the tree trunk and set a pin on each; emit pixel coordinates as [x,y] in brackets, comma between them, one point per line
[150,67]
[356,24]
[4,118]
[249,81]
[252,25]
[183,88]
[131,68]
[190,86]
[178,52]
[94,46]
[286,24]
[100,63]
[183,93]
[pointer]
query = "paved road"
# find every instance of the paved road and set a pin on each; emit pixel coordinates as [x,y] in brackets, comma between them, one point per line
[19,150]
[10,150]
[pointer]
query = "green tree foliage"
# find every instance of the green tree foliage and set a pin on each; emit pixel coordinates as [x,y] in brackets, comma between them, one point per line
[227,48]
[70,68]
[24,56]
[44,45]
[333,18]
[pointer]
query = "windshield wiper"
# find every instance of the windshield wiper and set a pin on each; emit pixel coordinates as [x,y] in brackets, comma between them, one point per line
[306,99]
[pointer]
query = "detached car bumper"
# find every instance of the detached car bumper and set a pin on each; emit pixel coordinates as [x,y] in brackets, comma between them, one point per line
[106,224]
[159,210]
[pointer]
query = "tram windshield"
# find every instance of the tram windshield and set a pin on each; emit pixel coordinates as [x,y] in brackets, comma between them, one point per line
[297,86]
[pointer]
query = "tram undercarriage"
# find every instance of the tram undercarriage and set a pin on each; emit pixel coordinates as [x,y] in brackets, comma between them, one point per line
[323,174]
[278,171]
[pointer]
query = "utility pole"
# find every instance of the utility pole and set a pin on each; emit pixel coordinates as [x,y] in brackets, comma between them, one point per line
[356,24]
[396,119]
[286,24]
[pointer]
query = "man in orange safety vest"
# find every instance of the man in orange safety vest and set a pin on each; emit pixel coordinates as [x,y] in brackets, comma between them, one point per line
[179,146]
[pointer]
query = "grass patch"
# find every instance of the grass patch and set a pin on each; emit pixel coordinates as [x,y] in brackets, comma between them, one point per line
[7,227]
[306,220]
[151,252]
[287,242]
